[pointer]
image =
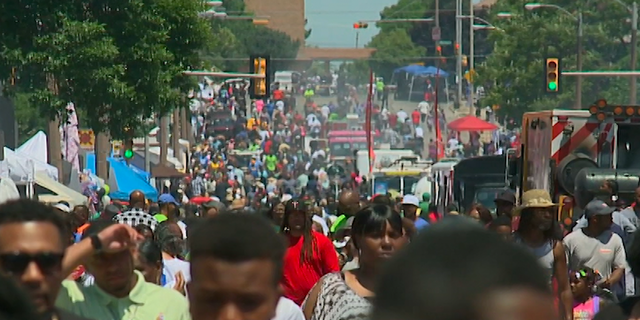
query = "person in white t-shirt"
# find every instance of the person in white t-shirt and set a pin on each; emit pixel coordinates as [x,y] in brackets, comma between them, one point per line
[424,110]
[402,116]
[419,133]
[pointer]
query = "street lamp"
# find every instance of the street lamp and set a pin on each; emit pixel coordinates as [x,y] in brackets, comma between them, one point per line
[578,18]
[212,14]
[213,3]
[485,27]
[504,15]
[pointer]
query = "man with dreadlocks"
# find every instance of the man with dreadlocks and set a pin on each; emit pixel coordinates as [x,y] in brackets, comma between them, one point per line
[309,256]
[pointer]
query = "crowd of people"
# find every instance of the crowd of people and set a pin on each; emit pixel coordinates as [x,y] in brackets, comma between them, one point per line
[385,261]
[260,230]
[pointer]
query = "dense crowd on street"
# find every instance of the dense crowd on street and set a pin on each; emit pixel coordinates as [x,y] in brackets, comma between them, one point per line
[260,229]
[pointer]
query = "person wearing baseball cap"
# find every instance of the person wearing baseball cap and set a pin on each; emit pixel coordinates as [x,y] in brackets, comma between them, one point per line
[505,202]
[411,211]
[596,246]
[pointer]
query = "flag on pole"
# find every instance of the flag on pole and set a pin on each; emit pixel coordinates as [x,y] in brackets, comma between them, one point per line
[368,127]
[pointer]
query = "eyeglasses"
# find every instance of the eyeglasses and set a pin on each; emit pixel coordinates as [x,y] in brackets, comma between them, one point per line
[16,263]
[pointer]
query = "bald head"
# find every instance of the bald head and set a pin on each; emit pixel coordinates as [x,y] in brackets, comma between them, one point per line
[137,199]
[349,202]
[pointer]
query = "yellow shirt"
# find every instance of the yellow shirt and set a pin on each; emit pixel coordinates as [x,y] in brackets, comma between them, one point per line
[146,301]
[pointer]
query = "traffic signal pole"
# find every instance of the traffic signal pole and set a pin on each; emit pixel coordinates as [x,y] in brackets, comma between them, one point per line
[601,73]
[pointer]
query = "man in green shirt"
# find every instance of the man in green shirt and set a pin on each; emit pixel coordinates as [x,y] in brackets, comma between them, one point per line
[118,292]
[424,204]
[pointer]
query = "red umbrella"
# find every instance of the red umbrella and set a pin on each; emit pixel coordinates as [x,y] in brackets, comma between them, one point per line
[471,123]
[199,200]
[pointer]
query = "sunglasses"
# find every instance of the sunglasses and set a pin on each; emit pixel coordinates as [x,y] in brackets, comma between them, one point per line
[16,263]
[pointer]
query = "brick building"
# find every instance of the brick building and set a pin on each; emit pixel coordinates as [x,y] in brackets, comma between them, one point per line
[284,15]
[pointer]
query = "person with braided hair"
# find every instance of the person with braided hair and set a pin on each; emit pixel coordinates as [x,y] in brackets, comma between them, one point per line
[309,255]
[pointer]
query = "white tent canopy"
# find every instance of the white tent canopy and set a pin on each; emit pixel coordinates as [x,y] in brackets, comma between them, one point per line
[35,147]
[59,192]
[21,167]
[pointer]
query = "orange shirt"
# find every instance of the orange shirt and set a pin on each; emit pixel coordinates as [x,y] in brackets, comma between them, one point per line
[278,95]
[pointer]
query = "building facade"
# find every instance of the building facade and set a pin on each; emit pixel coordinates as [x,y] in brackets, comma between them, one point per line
[284,15]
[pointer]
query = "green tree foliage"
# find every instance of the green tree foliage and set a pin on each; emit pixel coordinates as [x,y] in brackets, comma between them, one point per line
[420,32]
[392,49]
[514,74]
[238,39]
[119,61]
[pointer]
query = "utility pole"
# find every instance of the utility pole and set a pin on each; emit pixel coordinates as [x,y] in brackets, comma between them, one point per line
[579,63]
[102,149]
[163,132]
[459,53]
[633,94]
[471,58]
[54,143]
[357,38]
[175,134]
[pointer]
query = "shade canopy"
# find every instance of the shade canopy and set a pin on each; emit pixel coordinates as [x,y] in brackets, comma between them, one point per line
[418,70]
[471,123]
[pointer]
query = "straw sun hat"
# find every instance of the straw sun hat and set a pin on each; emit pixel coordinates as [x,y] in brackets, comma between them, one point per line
[536,198]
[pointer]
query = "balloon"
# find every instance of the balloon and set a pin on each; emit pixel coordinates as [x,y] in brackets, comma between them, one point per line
[106,188]
[101,192]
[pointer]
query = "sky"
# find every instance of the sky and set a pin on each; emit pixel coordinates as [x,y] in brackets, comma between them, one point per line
[332,21]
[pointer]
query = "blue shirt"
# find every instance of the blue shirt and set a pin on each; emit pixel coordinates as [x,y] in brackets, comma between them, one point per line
[420,223]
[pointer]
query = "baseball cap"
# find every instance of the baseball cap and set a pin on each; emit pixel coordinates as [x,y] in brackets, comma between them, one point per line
[597,208]
[506,196]
[63,207]
[411,199]
[167,198]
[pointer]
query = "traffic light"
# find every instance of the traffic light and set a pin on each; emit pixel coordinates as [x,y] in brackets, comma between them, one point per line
[552,74]
[464,61]
[360,25]
[260,87]
[456,48]
[128,149]
[14,72]
[439,50]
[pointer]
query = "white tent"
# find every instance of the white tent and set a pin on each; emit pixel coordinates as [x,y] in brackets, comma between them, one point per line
[35,147]
[8,190]
[58,191]
[23,167]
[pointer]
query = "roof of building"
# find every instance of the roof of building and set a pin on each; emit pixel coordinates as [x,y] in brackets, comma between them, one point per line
[308,53]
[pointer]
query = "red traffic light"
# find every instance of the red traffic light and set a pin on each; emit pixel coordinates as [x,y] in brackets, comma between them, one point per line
[360,25]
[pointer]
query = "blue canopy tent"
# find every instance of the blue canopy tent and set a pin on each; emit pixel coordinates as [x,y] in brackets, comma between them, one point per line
[123,180]
[415,70]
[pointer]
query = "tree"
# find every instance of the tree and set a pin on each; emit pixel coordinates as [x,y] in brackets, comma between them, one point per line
[513,74]
[121,66]
[392,49]
[420,32]
[247,39]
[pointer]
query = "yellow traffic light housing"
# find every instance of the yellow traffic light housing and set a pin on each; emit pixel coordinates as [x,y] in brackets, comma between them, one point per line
[552,75]
[360,25]
[260,87]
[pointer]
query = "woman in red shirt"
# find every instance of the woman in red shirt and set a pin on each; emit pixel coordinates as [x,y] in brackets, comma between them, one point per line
[309,256]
